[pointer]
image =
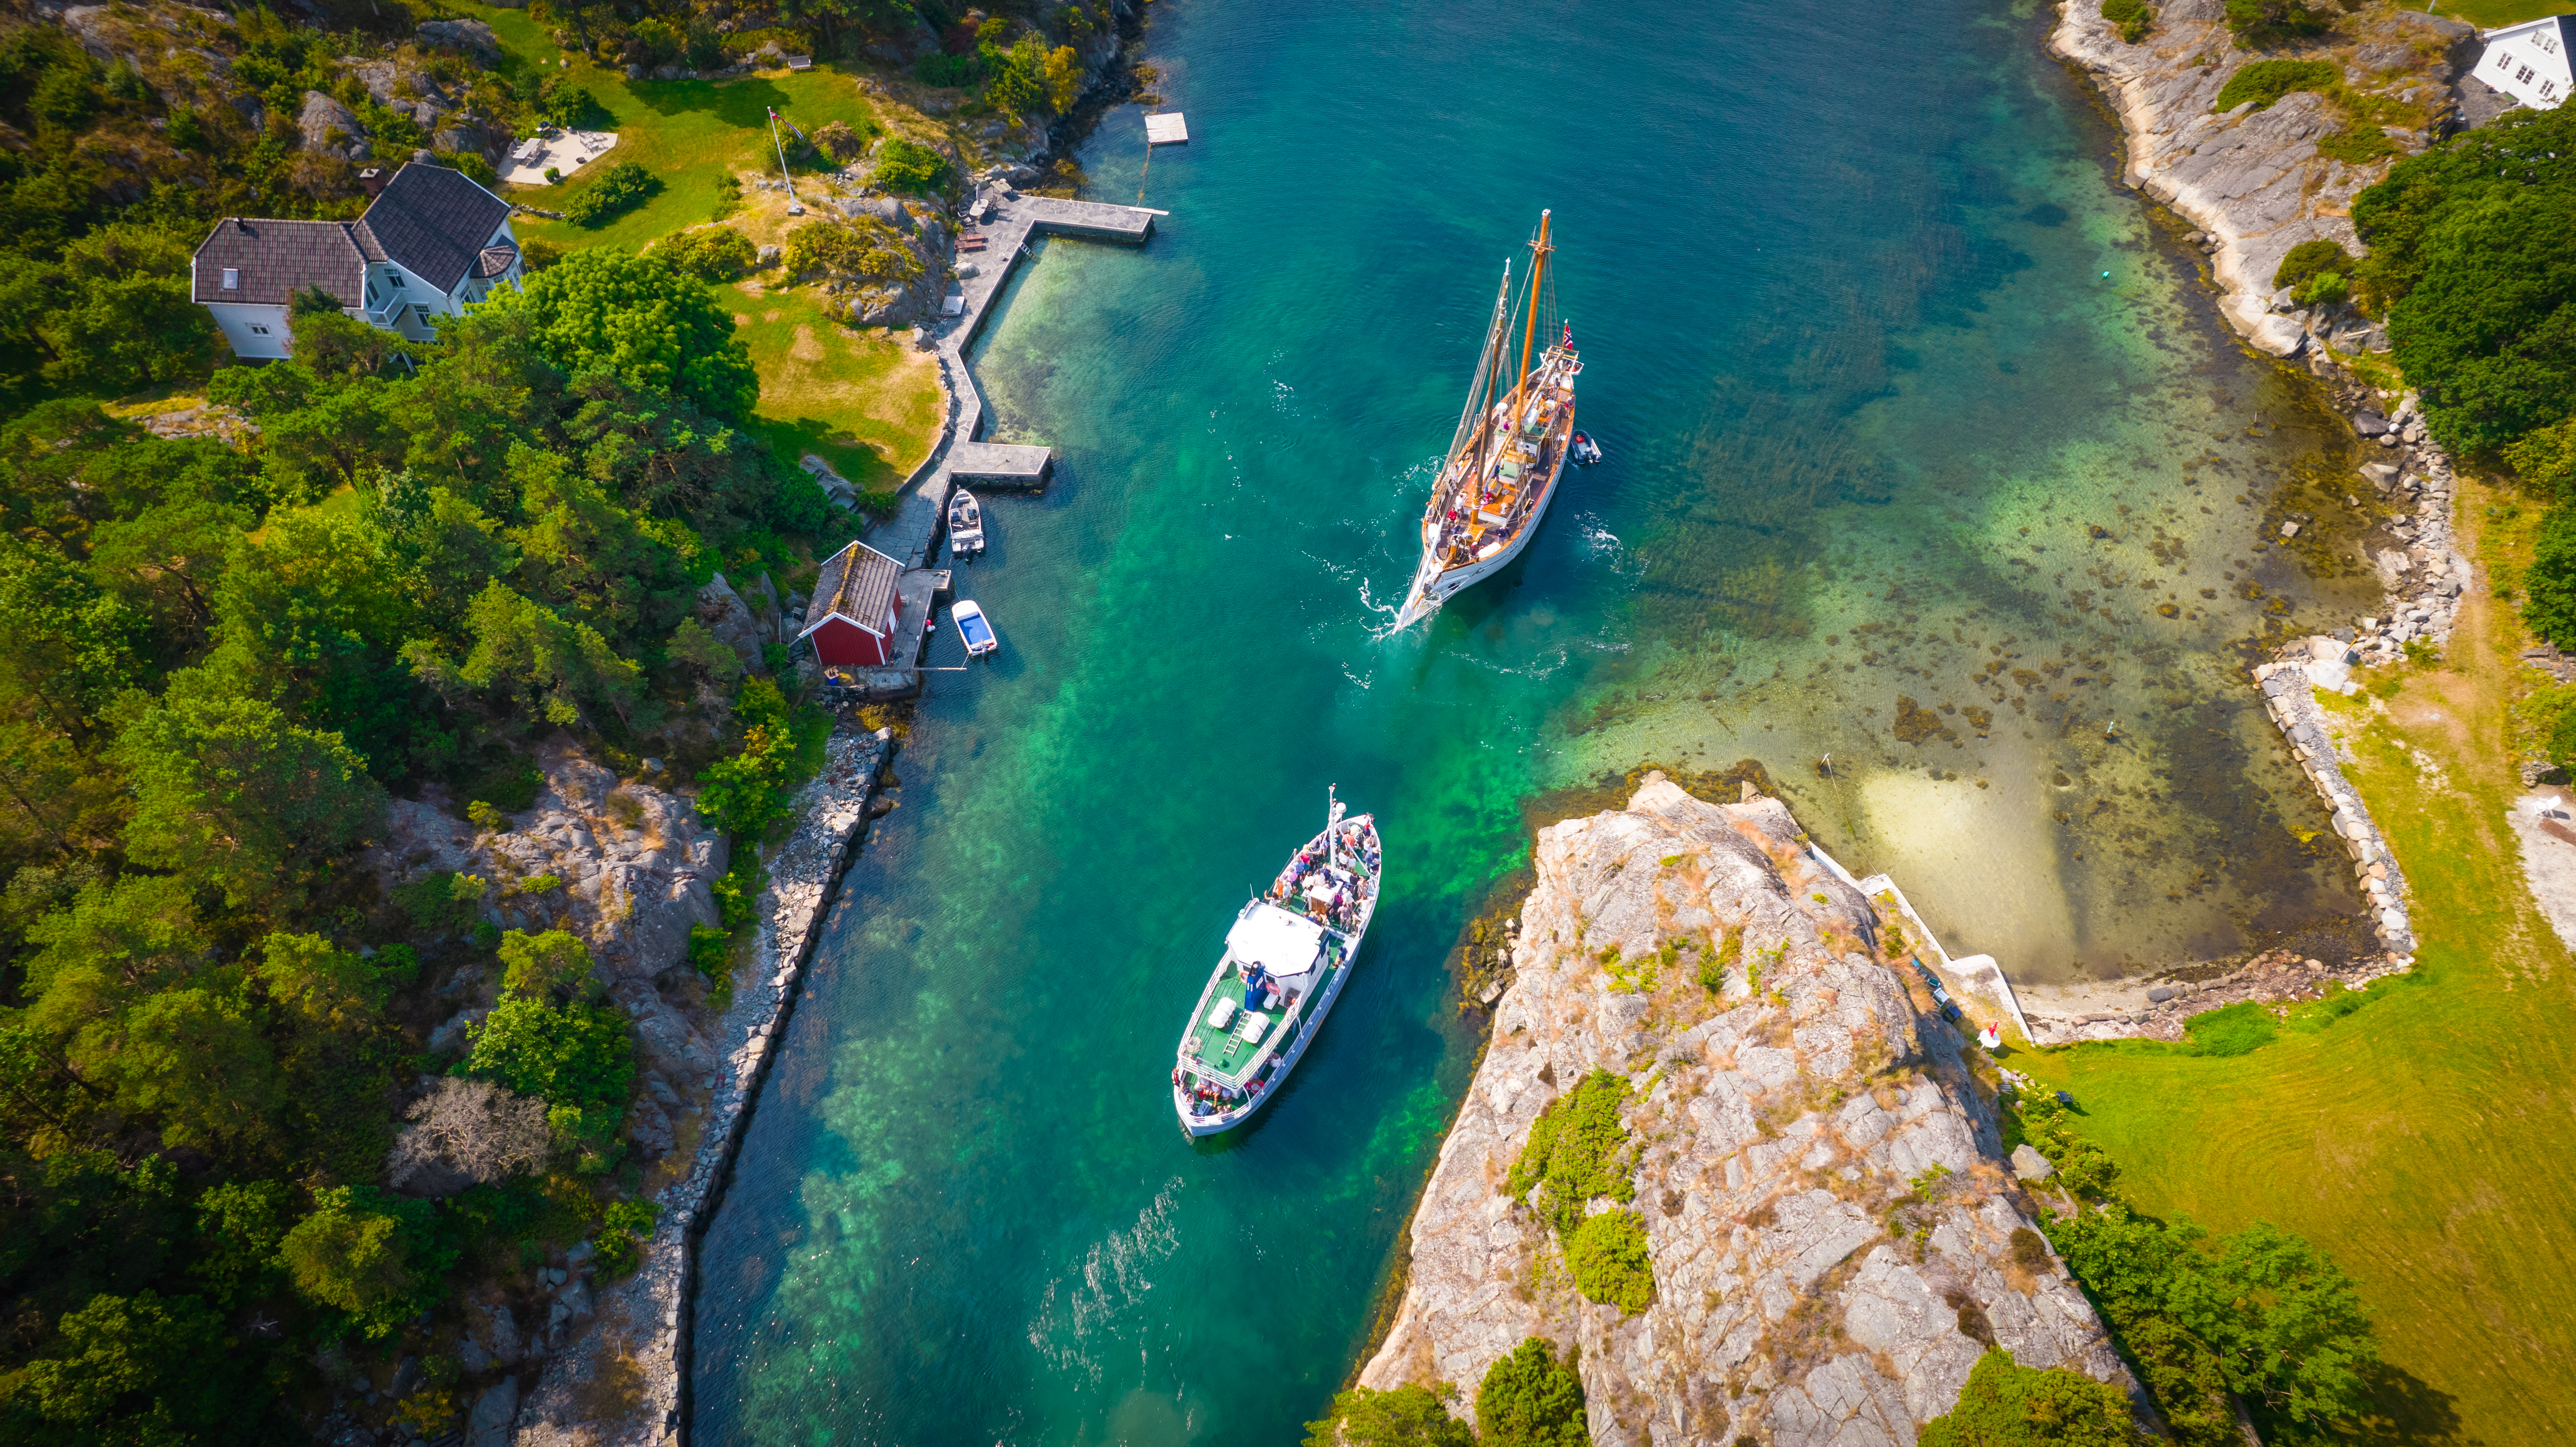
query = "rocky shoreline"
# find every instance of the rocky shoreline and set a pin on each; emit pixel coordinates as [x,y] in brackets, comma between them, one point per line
[1833,1230]
[620,1378]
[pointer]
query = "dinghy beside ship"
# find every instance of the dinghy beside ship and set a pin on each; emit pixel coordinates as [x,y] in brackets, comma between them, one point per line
[1286,959]
[1506,456]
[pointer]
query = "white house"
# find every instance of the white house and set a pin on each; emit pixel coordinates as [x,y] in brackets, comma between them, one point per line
[431,242]
[2529,61]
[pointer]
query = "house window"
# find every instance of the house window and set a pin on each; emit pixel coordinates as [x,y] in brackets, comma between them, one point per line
[2523,75]
[371,293]
[396,279]
[257,330]
[232,278]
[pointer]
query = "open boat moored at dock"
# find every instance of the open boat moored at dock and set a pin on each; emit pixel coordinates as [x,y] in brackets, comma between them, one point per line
[1285,960]
[965,526]
[1506,456]
[974,629]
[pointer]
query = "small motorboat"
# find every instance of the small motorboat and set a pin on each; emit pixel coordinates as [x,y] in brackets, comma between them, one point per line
[965,526]
[974,629]
[1584,451]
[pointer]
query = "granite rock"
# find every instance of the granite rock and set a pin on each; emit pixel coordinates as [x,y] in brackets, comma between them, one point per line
[1783,1120]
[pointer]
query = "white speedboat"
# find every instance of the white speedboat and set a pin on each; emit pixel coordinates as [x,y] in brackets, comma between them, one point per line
[1504,460]
[1285,961]
[965,526]
[974,629]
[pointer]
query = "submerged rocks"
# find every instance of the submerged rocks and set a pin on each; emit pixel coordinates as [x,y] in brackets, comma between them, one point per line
[1817,1177]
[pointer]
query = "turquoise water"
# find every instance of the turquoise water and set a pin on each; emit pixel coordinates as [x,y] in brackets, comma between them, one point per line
[1838,276]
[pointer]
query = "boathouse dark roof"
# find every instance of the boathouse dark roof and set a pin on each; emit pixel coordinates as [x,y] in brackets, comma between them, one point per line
[857,584]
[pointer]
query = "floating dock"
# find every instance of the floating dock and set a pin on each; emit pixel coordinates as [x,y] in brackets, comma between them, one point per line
[1166,129]
[912,534]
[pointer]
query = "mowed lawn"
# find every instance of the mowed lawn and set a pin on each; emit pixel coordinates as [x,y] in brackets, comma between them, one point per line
[2428,1140]
[686,132]
[865,401]
[2496,14]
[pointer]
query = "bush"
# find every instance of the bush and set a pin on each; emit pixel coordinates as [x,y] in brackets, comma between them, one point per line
[2309,258]
[544,965]
[2237,1029]
[905,166]
[1577,1149]
[2005,1404]
[2258,24]
[2266,81]
[708,950]
[1409,1416]
[841,142]
[561,103]
[618,1243]
[1530,1399]
[1607,1254]
[370,1256]
[2082,1166]
[619,189]
[2549,584]
[962,72]
[1714,969]
[2133,17]
[710,253]
[577,1058]
[2546,460]
[865,248]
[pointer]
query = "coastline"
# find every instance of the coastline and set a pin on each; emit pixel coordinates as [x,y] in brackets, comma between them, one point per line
[2255,184]
[624,1380]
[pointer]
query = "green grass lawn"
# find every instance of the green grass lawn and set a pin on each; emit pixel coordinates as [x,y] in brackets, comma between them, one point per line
[686,132]
[2494,14]
[867,403]
[2423,1140]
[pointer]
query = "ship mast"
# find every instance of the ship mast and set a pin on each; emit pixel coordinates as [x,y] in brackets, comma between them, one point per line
[1538,274]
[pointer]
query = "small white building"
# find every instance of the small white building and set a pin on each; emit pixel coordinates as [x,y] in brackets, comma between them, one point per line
[2529,61]
[431,243]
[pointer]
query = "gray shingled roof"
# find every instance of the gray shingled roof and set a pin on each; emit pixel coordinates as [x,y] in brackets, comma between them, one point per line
[858,583]
[434,222]
[277,259]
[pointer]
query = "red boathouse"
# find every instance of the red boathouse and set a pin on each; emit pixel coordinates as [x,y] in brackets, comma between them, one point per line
[852,617]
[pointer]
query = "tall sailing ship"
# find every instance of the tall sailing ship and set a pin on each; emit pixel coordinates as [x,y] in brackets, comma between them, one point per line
[1508,451]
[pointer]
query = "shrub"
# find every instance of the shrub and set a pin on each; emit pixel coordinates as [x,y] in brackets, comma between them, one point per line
[2266,81]
[864,248]
[1577,1149]
[961,72]
[2029,1249]
[710,253]
[577,1058]
[618,1243]
[1409,1416]
[2133,17]
[2005,1404]
[371,1256]
[542,965]
[619,189]
[2082,1166]
[1714,969]
[561,103]
[2545,460]
[2307,259]
[1530,1399]
[906,166]
[2257,24]
[728,196]
[2326,288]
[708,949]
[2237,1029]
[841,141]
[1607,1254]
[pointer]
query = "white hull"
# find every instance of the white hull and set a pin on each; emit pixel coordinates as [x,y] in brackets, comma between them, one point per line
[1433,587]
[1309,1019]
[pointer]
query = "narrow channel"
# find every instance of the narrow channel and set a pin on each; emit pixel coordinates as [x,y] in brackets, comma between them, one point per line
[1881,432]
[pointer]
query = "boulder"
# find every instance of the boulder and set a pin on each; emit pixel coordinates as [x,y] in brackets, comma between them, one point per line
[2029,1165]
[884,208]
[329,128]
[649,1127]
[732,621]
[489,1424]
[493,1330]
[471,36]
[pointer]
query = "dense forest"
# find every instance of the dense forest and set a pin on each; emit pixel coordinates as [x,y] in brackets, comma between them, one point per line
[378,569]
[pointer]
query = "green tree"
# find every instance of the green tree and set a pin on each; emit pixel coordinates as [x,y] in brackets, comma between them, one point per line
[332,344]
[196,1060]
[134,1371]
[239,1227]
[2549,584]
[125,319]
[575,1057]
[231,792]
[1608,1256]
[2007,1405]
[2545,460]
[1577,1149]
[328,988]
[69,649]
[371,1256]
[2288,1325]
[540,966]
[1409,1416]
[527,653]
[638,318]
[1531,1399]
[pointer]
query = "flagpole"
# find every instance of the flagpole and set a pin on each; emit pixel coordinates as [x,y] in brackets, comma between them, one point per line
[794,207]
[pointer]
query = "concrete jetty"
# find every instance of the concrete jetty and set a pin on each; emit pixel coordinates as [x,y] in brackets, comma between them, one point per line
[1010,220]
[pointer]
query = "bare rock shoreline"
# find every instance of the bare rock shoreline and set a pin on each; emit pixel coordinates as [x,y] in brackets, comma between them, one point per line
[1834,1233]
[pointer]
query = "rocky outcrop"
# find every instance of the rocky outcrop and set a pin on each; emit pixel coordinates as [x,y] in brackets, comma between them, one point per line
[735,620]
[471,36]
[620,1349]
[2254,179]
[1832,1227]
[332,129]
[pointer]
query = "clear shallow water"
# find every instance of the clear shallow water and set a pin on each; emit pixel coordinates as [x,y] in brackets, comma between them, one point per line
[1837,276]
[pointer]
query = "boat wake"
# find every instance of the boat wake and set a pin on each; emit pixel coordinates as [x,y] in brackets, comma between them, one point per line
[1110,1286]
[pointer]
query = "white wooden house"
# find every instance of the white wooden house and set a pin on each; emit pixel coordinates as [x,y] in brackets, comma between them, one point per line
[431,243]
[2529,61]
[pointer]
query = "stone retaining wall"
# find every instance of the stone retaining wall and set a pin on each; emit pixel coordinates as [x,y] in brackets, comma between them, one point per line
[622,1382]
[2289,697]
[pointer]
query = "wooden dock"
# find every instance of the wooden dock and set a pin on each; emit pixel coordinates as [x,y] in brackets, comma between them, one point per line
[1010,221]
